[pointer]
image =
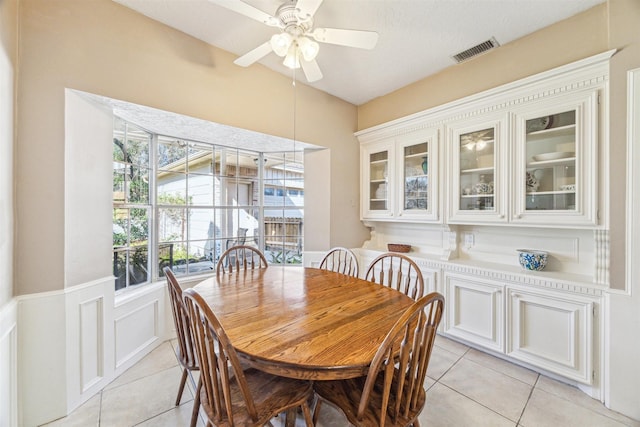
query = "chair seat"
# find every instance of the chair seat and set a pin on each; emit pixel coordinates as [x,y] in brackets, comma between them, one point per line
[268,392]
[346,394]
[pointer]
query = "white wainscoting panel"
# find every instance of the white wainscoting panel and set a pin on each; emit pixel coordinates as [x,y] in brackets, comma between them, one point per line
[8,365]
[91,339]
[89,366]
[42,373]
[73,342]
[140,324]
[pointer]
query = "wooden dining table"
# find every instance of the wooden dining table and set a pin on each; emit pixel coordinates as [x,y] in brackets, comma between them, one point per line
[304,323]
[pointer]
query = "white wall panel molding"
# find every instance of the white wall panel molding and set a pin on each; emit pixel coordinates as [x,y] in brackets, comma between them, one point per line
[89,312]
[70,343]
[138,327]
[9,364]
[42,352]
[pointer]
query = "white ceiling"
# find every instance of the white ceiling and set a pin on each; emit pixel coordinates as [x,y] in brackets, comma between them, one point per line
[416,37]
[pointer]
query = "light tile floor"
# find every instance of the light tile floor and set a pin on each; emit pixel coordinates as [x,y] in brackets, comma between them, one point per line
[465,388]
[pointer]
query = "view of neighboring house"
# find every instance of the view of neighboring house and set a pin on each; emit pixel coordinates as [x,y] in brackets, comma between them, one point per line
[206,199]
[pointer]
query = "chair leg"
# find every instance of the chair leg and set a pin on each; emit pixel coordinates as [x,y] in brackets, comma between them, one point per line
[290,419]
[196,405]
[316,410]
[183,381]
[306,411]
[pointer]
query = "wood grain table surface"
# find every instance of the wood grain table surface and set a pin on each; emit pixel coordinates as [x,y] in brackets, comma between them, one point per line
[304,322]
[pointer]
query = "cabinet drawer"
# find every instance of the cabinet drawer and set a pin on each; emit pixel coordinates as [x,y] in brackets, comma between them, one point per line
[475,310]
[552,333]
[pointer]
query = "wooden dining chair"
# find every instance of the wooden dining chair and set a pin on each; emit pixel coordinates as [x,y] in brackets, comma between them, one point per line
[392,394]
[185,350]
[241,257]
[340,260]
[398,272]
[230,395]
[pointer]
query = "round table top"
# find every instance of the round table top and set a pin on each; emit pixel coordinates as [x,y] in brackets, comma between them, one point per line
[304,322]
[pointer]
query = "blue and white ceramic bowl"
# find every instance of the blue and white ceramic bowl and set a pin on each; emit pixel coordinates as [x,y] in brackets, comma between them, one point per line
[532,260]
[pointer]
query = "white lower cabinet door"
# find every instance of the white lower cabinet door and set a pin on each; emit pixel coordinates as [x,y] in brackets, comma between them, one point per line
[474,310]
[553,333]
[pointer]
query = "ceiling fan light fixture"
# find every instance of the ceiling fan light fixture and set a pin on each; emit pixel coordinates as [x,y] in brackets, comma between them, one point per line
[280,43]
[291,60]
[308,48]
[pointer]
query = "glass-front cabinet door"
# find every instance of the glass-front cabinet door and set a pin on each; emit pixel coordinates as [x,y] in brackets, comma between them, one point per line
[418,195]
[556,169]
[475,173]
[377,168]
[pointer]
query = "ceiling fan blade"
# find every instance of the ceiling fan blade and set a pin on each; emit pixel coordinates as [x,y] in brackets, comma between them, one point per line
[352,38]
[254,55]
[311,70]
[247,10]
[308,8]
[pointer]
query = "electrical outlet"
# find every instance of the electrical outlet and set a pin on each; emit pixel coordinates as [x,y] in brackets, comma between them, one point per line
[468,240]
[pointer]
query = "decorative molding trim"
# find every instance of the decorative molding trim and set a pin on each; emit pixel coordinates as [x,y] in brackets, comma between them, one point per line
[633,180]
[449,244]
[511,276]
[601,265]
[585,73]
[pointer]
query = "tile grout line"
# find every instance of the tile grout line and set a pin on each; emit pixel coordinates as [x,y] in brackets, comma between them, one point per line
[479,403]
[524,408]
[100,408]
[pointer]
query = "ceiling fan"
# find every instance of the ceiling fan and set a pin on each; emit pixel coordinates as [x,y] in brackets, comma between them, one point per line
[295,42]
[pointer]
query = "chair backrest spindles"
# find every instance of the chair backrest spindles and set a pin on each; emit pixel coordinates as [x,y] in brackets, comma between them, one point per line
[219,361]
[398,272]
[403,358]
[341,260]
[241,257]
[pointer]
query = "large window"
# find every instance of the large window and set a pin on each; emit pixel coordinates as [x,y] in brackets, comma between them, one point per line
[131,205]
[194,200]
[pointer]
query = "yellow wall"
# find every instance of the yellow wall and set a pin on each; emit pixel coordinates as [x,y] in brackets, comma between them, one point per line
[101,47]
[8,65]
[575,38]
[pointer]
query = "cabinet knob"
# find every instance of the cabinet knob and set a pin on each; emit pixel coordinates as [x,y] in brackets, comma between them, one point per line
[518,216]
[501,216]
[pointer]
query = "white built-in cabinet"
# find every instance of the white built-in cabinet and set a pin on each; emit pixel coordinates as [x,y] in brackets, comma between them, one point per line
[533,165]
[555,160]
[552,331]
[400,178]
[475,310]
[478,169]
[519,166]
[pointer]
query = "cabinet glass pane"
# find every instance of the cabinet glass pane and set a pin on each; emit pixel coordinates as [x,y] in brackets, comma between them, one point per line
[551,162]
[416,177]
[378,167]
[477,170]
